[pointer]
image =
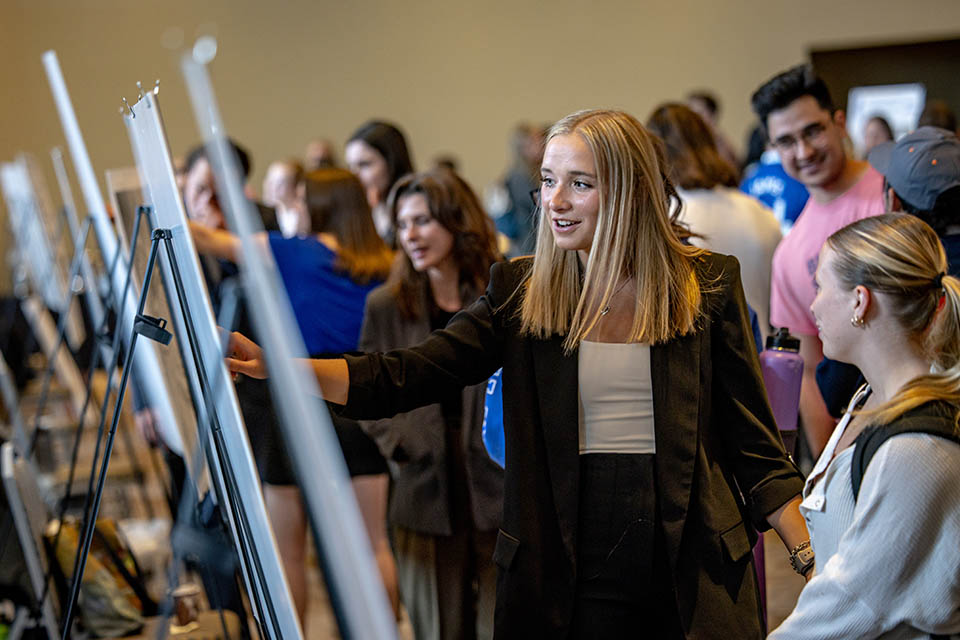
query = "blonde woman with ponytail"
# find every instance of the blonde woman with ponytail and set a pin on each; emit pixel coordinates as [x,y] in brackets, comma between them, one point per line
[641,454]
[883,501]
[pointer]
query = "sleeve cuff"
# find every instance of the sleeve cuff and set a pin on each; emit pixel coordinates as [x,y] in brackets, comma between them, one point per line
[772,494]
[359,396]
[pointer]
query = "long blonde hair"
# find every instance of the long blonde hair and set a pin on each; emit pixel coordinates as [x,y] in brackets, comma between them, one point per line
[636,237]
[900,256]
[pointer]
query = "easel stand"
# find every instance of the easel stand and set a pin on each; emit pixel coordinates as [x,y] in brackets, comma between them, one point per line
[186,536]
[153,328]
[103,336]
[61,334]
[107,349]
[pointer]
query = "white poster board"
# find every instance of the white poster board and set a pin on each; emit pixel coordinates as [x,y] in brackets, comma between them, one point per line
[899,104]
[356,591]
[146,364]
[126,196]
[260,561]
[31,220]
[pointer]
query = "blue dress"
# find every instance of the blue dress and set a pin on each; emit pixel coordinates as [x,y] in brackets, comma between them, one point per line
[328,307]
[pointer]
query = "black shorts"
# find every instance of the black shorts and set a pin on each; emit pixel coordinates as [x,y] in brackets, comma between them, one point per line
[359,450]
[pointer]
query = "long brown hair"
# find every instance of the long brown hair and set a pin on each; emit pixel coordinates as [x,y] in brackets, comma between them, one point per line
[693,160]
[899,255]
[338,205]
[456,207]
[636,237]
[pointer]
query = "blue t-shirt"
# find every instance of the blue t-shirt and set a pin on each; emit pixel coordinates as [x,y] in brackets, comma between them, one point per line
[328,305]
[770,184]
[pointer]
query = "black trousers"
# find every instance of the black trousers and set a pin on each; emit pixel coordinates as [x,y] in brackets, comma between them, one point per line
[624,588]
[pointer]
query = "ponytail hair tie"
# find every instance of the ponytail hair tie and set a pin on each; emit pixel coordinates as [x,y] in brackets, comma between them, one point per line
[938,281]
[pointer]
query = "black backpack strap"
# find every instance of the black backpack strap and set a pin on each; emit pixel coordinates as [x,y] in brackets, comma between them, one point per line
[926,419]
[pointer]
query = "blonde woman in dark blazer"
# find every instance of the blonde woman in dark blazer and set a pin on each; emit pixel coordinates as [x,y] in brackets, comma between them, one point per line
[641,452]
[446,493]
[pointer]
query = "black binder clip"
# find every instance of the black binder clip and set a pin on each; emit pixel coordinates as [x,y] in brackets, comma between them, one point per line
[153,328]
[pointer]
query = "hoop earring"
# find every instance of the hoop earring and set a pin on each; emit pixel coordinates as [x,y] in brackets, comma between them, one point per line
[858,322]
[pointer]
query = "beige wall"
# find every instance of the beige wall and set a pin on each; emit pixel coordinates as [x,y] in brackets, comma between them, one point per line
[454,75]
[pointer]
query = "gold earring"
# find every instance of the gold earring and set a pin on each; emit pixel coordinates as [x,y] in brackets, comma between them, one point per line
[858,321]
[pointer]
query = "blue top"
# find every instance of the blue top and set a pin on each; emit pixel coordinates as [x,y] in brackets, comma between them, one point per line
[328,305]
[770,184]
[951,246]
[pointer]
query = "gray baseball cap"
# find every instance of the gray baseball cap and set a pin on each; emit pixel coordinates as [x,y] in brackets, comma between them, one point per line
[920,165]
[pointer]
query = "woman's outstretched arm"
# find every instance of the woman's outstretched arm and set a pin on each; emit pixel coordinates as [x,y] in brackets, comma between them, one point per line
[246,357]
[219,243]
[380,385]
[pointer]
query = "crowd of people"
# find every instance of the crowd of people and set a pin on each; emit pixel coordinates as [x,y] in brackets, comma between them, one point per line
[615,276]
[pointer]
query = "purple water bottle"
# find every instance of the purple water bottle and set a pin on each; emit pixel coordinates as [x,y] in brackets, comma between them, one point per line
[782,369]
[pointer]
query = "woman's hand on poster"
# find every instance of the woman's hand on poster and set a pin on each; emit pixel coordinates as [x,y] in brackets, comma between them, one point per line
[245,356]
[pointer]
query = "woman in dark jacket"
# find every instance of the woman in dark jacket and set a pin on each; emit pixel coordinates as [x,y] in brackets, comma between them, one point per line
[641,452]
[446,494]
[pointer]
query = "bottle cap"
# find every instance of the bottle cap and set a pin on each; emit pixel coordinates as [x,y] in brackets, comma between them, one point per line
[783,341]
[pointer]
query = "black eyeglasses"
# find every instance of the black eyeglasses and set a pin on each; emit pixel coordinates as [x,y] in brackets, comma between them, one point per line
[812,135]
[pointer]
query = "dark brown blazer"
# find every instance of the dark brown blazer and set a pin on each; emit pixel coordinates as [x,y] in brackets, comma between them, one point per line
[415,443]
[720,464]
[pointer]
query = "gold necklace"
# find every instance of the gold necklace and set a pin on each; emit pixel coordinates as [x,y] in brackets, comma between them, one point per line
[606,309]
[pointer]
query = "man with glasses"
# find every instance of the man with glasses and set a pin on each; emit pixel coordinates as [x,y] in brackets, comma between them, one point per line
[922,177]
[802,124]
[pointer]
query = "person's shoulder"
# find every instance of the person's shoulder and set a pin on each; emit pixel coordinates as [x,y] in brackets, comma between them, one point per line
[714,261]
[274,238]
[506,278]
[716,267]
[864,197]
[924,440]
[511,272]
[306,244]
[927,414]
[745,200]
[937,419]
[381,297]
[719,276]
[765,222]
[870,179]
[381,310]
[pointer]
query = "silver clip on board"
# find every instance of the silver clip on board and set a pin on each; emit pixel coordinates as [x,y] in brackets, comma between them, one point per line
[357,594]
[260,562]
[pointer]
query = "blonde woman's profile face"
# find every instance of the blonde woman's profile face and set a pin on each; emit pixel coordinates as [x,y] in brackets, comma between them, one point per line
[832,308]
[570,193]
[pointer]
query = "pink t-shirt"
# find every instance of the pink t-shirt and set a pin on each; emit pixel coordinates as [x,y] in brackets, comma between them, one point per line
[792,286]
